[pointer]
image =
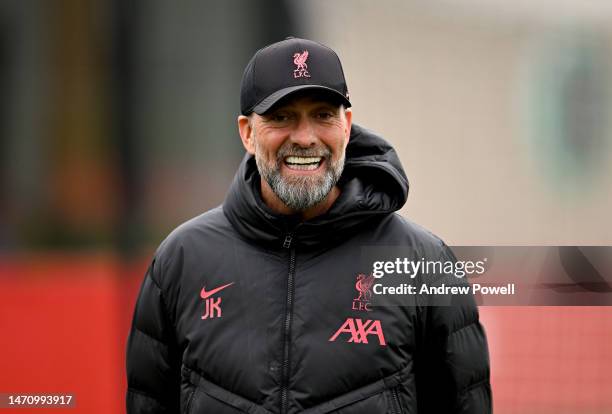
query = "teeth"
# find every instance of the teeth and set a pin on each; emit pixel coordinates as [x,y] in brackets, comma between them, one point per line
[303,167]
[303,160]
[303,163]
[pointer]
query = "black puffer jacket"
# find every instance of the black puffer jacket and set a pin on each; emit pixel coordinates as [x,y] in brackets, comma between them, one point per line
[246,311]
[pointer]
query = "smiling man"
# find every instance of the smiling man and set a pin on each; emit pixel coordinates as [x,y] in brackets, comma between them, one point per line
[262,304]
[299,147]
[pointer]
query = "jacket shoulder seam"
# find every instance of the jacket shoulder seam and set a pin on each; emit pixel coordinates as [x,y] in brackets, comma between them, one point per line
[143,393]
[151,337]
[161,293]
[477,384]
[467,325]
[155,282]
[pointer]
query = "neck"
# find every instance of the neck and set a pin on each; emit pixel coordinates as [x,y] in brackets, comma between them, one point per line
[276,204]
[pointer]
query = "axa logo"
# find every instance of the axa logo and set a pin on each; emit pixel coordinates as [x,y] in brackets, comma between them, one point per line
[364,288]
[213,305]
[358,331]
[301,70]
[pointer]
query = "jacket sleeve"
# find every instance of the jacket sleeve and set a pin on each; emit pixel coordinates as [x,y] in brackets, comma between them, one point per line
[452,364]
[153,364]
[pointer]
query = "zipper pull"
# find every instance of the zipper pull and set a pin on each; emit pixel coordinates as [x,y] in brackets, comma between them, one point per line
[287,242]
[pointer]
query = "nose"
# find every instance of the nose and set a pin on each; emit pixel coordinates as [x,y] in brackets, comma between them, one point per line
[304,134]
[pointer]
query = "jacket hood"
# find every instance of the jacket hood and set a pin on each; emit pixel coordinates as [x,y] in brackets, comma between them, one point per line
[373,184]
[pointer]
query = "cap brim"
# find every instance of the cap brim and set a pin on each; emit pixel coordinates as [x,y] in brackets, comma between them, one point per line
[265,105]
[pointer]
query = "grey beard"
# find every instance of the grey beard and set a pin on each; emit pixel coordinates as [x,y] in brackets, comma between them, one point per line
[300,193]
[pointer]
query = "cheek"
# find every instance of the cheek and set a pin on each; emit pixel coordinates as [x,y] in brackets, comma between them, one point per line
[335,136]
[268,148]
[337,142]
[268,140]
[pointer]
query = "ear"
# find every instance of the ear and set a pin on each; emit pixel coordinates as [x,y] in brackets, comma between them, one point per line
[348,114]
[245,129]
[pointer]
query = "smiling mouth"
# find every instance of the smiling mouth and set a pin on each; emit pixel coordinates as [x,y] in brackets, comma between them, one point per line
[303,163]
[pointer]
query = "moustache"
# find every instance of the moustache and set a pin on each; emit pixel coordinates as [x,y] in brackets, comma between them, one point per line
[298,151]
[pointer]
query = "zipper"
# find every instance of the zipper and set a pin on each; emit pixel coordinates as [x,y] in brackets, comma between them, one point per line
[287,241]
[287,244]
[396,408]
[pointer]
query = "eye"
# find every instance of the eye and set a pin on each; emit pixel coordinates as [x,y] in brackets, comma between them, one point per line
[325,115]
[278,117]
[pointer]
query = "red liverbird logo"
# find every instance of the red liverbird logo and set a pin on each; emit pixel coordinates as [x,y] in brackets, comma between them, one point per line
[364,287]
[301,70]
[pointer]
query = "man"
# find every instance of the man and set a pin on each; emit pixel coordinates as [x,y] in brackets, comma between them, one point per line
[262,306]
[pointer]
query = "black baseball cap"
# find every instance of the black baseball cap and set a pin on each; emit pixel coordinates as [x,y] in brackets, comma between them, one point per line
[288,66]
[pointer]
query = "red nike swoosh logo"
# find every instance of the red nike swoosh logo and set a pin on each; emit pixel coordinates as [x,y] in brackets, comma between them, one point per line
[204,294]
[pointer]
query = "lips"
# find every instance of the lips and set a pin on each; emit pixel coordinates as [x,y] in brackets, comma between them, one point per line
[303,163]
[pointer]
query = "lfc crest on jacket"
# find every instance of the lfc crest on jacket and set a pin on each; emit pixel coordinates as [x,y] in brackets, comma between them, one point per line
[363,285]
